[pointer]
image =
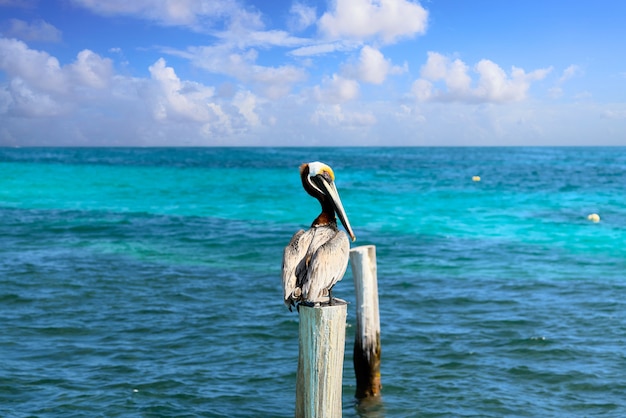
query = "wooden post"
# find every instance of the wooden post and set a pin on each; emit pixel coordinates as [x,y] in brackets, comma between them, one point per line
[367,336]
[320,362]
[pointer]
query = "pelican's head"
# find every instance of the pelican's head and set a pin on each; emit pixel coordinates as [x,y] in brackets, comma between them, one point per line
[322,178]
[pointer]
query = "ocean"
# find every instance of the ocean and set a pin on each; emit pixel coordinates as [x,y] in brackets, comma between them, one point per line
[145,282]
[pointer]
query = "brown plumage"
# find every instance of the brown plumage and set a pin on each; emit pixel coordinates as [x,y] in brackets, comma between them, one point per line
[316,259]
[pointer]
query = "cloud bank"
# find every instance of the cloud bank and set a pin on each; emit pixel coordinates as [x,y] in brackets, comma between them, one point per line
[493,84]
[354,73]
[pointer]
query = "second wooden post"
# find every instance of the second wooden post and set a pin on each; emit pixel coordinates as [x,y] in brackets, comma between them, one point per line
[367,337]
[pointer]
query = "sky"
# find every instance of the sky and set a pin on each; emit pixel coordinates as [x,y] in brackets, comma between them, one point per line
[312,73]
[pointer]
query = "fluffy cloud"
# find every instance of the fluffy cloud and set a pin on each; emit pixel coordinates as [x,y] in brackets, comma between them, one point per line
[25,101]
[91,70]
[336,89]
[40,87]
[36,68]
[85,102]
[387,20]
[308,80]
[493,84]
[372,67]
[175,99]
[44,72]
[246,103]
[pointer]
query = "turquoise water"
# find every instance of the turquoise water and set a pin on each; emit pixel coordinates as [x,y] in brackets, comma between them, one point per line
[146,282]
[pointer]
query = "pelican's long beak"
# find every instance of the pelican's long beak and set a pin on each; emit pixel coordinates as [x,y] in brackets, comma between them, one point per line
[331,191]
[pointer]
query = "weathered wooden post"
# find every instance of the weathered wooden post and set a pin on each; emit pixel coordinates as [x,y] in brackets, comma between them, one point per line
[320,361]
[367,336]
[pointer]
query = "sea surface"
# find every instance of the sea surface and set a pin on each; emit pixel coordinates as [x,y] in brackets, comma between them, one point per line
[145,282]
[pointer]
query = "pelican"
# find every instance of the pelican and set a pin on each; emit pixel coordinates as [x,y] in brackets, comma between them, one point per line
[315,260]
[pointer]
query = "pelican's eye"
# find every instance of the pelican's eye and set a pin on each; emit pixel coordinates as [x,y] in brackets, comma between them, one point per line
[320,169]
[328,174]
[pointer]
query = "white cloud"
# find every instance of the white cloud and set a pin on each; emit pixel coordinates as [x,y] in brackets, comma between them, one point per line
[229,20]
[493,85]
[453,73]
[222,126]
[43,72]
[36,68]
[422,90]
[274,85]
[387,20]
[85,102]
[177,99]
[246,103]
[29,103]
[236,51]
[38,30]
[39,87]
[301,16]
[372,66]
[92,70]
[336,89]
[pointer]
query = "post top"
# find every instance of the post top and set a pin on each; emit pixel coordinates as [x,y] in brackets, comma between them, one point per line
[362,248]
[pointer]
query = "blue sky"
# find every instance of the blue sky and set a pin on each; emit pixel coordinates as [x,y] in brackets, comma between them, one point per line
[337,72]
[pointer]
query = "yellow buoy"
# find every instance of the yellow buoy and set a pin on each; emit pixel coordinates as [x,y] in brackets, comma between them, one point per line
[594,217]
[476,178]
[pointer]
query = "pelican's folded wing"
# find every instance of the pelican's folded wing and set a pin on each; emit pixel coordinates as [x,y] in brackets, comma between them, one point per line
[327,266]
[293,255]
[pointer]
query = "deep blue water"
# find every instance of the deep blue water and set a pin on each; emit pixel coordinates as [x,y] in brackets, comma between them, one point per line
[146,282]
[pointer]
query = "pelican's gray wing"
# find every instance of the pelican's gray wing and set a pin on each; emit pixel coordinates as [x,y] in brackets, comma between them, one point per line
[293,256]
[327,266]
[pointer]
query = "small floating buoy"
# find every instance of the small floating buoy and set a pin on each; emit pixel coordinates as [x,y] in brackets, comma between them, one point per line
[476,178]
[594,217]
